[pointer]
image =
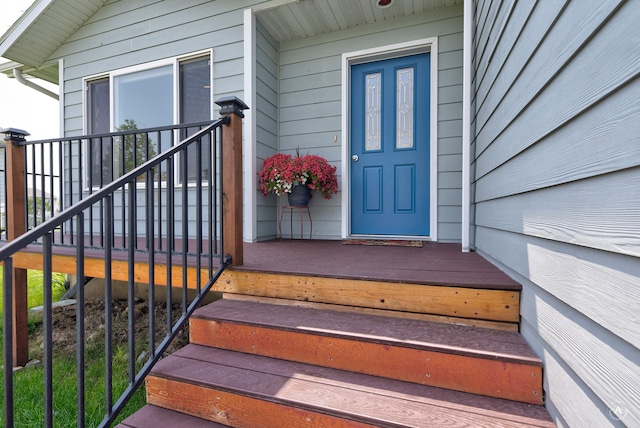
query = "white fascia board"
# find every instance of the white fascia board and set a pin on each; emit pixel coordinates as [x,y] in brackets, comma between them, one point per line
[22,24]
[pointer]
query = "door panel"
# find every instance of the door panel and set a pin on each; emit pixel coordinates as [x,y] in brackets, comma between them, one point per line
[390,147]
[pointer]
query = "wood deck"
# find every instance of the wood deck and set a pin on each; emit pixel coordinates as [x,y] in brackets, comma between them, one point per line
[438,281]
[433,264]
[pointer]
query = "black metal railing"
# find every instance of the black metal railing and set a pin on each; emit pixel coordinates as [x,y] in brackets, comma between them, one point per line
[166,209]
[61,172]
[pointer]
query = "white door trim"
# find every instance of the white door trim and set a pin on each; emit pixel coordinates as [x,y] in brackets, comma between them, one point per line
[375,54]
[250,227]
[466,127]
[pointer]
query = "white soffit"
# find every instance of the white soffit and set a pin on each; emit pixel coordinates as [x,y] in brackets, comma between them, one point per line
[307,18]
[43,28]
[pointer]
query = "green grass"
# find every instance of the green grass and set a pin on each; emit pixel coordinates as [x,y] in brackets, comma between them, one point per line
[35,288]
[29,391]
[28,382]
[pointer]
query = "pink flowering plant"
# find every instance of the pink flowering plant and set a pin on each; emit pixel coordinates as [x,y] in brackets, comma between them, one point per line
[281,172]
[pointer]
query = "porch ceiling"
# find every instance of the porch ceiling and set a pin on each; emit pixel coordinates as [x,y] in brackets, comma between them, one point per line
[298,19]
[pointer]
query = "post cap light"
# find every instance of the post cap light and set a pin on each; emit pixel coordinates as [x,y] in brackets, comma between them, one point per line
[14,134]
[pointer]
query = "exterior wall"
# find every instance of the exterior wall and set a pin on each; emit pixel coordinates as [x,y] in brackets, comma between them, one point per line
[298,89]
[310,105]
[122,34]
[267,124]
[557,202]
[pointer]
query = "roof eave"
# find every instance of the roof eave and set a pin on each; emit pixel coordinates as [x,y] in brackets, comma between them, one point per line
[10,41]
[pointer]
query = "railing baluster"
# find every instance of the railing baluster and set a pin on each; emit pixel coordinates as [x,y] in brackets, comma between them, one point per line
[48,333]
[34,202]
[4,214]
[80,280]
[42,184]
[7,342]
[210,193]
[134,150]
[70,175]
[131,277]
[159,204]
[150,249]
[216,188]
[185,225]
[121,172]
[80,169]
[51,184]
[108,327]
[221,243]
[198,213]
[170,238]
[90,172]
[61,187]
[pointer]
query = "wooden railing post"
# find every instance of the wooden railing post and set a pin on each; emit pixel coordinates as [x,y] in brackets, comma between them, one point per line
[16,226]
[232,214]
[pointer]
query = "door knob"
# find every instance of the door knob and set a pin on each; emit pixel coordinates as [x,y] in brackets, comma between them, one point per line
[355,158]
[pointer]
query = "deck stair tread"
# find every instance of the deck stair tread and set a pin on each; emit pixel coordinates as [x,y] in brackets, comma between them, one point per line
[155,417]
[411,333]
[477,360]
[208,383]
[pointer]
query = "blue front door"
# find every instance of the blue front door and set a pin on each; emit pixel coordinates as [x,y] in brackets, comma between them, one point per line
[390,147]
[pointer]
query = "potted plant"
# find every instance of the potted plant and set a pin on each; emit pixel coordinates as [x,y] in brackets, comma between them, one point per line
[297,176]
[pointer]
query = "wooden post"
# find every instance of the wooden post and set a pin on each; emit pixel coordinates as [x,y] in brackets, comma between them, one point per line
[232,214]
[16,226]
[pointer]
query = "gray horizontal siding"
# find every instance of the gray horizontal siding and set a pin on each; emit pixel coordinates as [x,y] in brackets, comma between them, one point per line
[267,124]
[556,167]
[121,35]
[547,91]
[310,102]
[602,212]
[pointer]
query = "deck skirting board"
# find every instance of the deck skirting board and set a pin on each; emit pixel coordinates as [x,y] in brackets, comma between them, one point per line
[459,302]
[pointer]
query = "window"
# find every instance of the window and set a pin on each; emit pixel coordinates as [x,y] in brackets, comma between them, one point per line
[195,106]
[146,97]
[98,123]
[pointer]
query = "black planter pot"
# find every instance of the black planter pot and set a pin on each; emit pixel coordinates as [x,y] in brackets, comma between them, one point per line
[299,196]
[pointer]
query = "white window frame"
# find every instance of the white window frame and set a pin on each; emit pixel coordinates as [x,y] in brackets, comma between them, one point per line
[175,62]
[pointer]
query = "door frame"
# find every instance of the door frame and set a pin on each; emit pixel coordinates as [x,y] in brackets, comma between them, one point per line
[376,54]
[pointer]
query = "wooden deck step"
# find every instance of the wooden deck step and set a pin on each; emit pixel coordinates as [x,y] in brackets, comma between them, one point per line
[155,417]
[243,390]
[462,358]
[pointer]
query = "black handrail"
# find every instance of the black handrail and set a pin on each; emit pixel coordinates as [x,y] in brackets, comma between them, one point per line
[104,198]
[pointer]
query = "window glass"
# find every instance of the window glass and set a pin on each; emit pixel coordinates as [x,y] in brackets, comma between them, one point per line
[146,99]
[99,106]
[404,108]
[373,105]
[195,106]
[100,165]
[143,98]
[195,88]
